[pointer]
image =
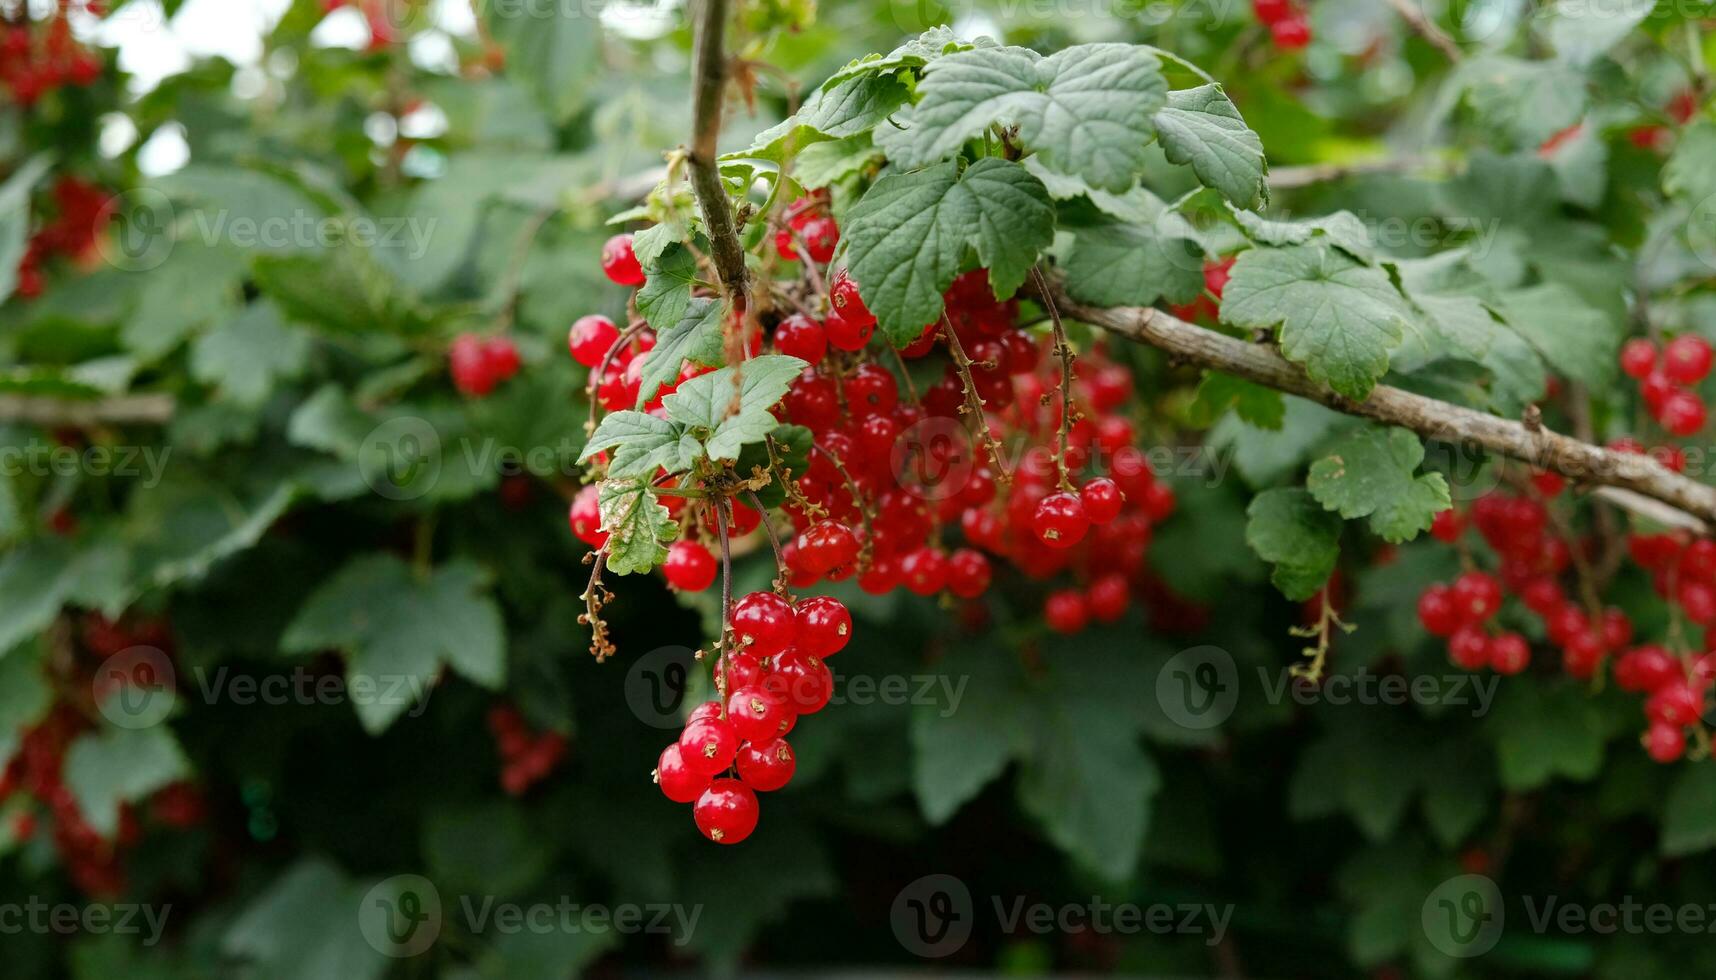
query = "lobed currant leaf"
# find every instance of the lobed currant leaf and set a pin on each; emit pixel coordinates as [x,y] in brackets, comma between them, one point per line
[1576,339]
[732,406]
[666,293]
[642,444]
[121,765]
[697,337]
[1372,472]
[1290,530]
[1135,262]
[639,527]
[1202,127]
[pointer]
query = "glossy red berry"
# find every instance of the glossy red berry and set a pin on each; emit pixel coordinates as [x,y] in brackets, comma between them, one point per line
[1108,598]
[585,518]
[801,337]
[847,303]
[827,545]
[767,765]
[468,363]
[1469,648]
[677,781]
[1477,596]
[620,263]
[756,713]
[824,626]
[1270,11]
[764,623]
[708,745]
[1060,520]
[591,338]
[872,390]
[848,335]
[1665,743]
[807,681]
[1687,358]
[1437,613]
[1638,358]
[1683,413]
[689,567]
[1291,34]
[968,571]
[1102,500]
[1674,704]
[726,812]
[1646,669]
[822,237]
[1066,611]
[1509,654]
[924,571]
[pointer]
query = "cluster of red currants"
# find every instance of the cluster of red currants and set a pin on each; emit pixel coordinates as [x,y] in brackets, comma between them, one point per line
[479,364]
[1287,23]
[1667,379]
[775,673]
[37,59]
[526,757]
[80,212]
[808,221]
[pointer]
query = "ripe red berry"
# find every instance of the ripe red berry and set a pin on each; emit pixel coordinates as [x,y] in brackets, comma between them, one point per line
[468,363]
[1682,413]
[847,303]
[924,570]
[1699,601]
[824,626]
[1665,743]
[1477,596]
[1446,526]
[872,390]
[755,713]
[1060,520]
[585,518]
[1437,613]
[620,263]
[1676,704]
[1217,274]
[848,335]
[806,680]
[1102,500]
[821,236]
[726,812]
[1291,34]
[764,623]
[689,567]
[1638,358]
[1270,11]
[591,338]
[826,545]
[708,745]
[1646,669]
[502,357]
[1469,648]
[801,337]
[968,571]
[677,781]
[1066,611]
[767,765]
[1687,358]
[1108,598]
[1509,654]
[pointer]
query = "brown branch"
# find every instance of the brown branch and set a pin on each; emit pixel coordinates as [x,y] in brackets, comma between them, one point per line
[709,81]
[1576,460]
[1425,28]
[76,414]
[1293,178]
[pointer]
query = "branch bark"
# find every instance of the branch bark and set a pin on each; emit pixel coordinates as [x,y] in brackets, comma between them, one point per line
[709,81]
[1579,461]
[1427,29]
[72,413]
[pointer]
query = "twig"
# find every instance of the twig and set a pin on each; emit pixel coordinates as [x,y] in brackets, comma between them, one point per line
[726,601]
[1063,350]
[1293,178]
[601,371]
[709,81]
[783,576]
[75,414]
[974,401]
[1572,458]
[1426,28]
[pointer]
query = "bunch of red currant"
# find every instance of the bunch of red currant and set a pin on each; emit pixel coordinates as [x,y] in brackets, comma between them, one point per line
[1667,380]
[526,757]
[79,212]
[36,59]
[1287,23]
[480,364]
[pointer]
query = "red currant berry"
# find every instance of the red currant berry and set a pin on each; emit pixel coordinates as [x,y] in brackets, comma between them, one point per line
[1270,11]
[705,711]
[1060,520]
[968,572]
[689,567]
[620,263]
[1687,359]
[767,765]
[821,237]
[1477,596]
[1102,500]
[1108,598]
[827,545]
[844,334]
[1509,654]
[755,713]
[591,339]
[468,362]
[1582,655]
[1699,601]
[736,670]
[708,745]
[764,623]
[1675,703]
[726,812]
[824,626]
[1638,358]
[801,337]
[872,390]
[1158,501]
[1437,613]
[1543,596]
[1066,611]
[1291,34]
[1446,526]
[1646,669]
[1469,648]
[809,684]
[678,783]
[1656,390]
[743,519]
[848,304]
[1665,743]
[502,357]
[586,518]
[1683,413]
[924,571]
[1617,629]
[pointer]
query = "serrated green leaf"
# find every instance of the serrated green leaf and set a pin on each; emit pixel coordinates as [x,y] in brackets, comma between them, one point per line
[827,163]
[1260,407]
[249,354]
[398,628]
[908,238]
[1127,263]
[1527,101]
[121,765]
[1577,340]
[1581,33]
[697,337]
[1689,815]
[1335,316]
[1087,110]
[639,528]
[1290,530]
[1373,472]
[641,443]
[733,405]
[1542,731]
[666,293]
[915,53]
[1202,127]
[1690,173]
[846,108]
[1343,229]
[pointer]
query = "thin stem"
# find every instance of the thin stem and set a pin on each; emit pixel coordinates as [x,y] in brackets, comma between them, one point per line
[709,89]
[782,577]
[1063,350]
[726,601]
[857,501]
[1426,28]
[974,401]
[601,370]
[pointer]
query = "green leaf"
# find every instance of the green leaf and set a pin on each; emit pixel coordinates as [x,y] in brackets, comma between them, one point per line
[1343,229]
[248,355]
[398,628]
[732,406]
[197,285]
[305,926]
[1289,529]
[915,53]
[641,442]
[907,240]
[1202,127]
[555,49]
[484,847]
[666,293]
[1528,101]
[827,163]
[1260,407]
[121,765]
[25,695]
[697,337]
[342,290]
[1542,731]
[35,580]
[639,528]
[1087,110]
[1336,317]
[1690,173]
[1372,472]
[1135,263]
[1581,33]
[848,108]
[15,218]
[1577,340]
[1689,815]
